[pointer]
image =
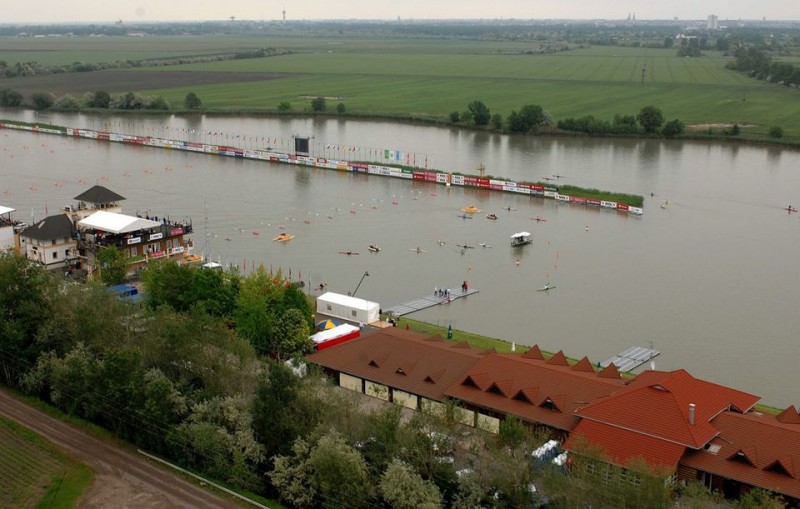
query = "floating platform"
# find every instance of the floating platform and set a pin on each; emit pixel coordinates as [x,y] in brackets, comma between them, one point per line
[427,302]
[632,358]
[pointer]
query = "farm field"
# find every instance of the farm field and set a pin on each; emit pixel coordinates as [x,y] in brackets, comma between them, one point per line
[34,473]
[430,78]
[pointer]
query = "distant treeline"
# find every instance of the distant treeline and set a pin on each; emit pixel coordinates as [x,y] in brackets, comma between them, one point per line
[34,68]
[758,63]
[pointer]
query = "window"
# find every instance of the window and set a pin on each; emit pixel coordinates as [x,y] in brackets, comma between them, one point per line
[353,313]
[469,382]
[55,255]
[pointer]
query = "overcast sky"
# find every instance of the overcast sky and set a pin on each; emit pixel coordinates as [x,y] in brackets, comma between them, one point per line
[46,11]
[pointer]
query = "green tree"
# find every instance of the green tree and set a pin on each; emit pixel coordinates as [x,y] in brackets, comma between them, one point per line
[776,132]
[512,432]
[98,99]
[668,42]
[42,100]
[454,117]
[650,118]
[340,474]
[479,112]
[191,101]
[10,98]
[292,477]
[340,108]
[156,103]
[25,304]
[292,335]
[529,117]
[113,265]
[284,106]
[318,104]
[758,498]
[672,128]
[497,121]
[282,411]
[403,488]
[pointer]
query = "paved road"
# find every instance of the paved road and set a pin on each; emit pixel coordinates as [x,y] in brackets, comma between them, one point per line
[122,479]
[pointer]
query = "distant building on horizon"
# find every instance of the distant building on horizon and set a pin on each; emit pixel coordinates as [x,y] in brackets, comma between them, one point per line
[713,22]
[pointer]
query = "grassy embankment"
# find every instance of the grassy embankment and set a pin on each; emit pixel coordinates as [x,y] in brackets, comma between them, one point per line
[428,79]
[36,473]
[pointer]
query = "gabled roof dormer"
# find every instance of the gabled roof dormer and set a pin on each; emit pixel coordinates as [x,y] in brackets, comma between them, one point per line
[788,416]
[783,466]
[555,403]
[501,388]
[584,365]
[526,395]
[559,359]
[609,371]
[745,456]
[377,360]
[534,353]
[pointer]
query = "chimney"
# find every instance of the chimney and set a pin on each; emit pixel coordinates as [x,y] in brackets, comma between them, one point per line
[691,414]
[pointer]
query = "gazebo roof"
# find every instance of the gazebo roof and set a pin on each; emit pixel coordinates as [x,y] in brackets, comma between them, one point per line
[99,194]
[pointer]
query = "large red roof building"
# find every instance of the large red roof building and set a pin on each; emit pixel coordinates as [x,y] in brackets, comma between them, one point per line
[676,423]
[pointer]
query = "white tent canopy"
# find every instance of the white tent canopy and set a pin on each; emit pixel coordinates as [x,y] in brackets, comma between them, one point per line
[116,223]
[5,210]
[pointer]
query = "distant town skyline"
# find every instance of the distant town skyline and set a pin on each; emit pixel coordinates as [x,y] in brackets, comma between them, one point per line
[103,11]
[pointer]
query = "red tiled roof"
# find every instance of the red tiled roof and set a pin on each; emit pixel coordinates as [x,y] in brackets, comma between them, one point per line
[534,353]
[621,446]
[772,446]
[657,404]
[538,380]
[559,359]
[403,359]
[584,365]
[789,416]
[609,371]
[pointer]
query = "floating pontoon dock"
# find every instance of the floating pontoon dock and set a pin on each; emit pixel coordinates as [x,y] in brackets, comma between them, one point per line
[427,302]
[632,358]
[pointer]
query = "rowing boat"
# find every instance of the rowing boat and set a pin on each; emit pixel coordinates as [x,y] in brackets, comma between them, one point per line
[416,249]
[546,288]
[471,209]
[464,216]
[283,237]
[348,253]
[491,216]
[373,248]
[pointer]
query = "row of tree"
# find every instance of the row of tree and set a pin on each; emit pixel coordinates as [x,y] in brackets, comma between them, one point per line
[757,62]
[650,121]
[529,118]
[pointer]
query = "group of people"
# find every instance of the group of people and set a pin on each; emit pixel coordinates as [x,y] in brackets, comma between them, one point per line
[442,292]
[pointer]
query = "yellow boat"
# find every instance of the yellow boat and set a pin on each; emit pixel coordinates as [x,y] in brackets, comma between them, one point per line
[471,209]
[283,237]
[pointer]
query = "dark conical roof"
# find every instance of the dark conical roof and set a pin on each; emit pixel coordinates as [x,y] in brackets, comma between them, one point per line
[99,194]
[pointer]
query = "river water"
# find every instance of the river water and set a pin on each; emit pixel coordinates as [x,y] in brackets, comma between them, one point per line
[710,279]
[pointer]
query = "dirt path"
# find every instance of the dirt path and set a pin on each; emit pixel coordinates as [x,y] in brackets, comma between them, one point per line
[122,479]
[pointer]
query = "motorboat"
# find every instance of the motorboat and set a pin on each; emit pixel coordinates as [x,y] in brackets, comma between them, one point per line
[373,248]
[471,209]
[520,239]
[491,216]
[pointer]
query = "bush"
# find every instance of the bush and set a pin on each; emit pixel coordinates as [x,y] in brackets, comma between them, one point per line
[42,100]
[318,104]
[159,103]
[10,98]
[98,99]
[455,117]
[191,101]
[673,128]
[66,103]
[497,121]
[776,132]
[284,106]
[340,108]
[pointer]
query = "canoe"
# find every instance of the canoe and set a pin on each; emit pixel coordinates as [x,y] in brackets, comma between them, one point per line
[348,253]
[471,209]
[283,237]
[545,288]
[464,216]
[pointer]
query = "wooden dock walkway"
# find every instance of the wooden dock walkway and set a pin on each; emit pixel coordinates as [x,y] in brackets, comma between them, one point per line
[427,302]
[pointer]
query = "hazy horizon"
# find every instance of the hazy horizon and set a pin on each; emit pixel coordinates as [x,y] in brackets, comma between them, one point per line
[102,11]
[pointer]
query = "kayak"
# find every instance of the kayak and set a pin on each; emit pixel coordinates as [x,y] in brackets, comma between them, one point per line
[348,253]
[545,288]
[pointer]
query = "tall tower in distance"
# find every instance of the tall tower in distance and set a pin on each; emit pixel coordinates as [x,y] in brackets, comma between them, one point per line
[713,22]
[284,14]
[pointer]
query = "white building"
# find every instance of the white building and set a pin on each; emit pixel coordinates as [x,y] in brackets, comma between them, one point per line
[348,308]
[50,242]
[713,22]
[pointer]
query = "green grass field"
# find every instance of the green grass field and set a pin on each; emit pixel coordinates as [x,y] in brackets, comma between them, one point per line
[34,473]
[430,78]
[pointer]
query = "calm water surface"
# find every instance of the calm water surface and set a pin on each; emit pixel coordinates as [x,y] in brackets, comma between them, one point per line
[710,280]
